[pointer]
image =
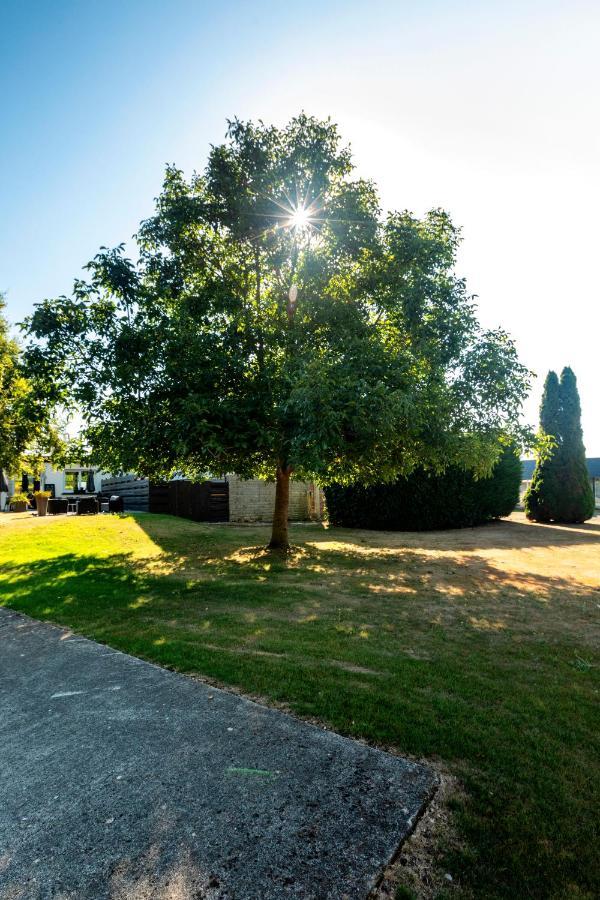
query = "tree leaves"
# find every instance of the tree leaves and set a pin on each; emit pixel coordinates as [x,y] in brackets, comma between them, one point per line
[190,358]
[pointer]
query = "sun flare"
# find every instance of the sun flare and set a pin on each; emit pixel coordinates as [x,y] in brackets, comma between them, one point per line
[300,218]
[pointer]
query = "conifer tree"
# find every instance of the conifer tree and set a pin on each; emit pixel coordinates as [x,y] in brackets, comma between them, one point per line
[541,499]
[560,490]
[576,495]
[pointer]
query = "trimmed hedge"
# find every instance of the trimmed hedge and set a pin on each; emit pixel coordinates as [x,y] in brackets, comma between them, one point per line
[423,502]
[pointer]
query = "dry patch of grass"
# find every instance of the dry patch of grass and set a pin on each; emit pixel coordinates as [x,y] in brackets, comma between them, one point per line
[477,648]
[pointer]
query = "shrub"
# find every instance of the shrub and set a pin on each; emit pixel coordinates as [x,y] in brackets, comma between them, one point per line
[423,502]
[42,495]
[18,498]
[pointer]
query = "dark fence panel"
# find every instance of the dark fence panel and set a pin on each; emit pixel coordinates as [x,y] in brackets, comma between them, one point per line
[205,502]
[134,491]
[159,501]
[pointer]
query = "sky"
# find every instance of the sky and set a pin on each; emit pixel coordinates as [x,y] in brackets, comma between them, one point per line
[487,109]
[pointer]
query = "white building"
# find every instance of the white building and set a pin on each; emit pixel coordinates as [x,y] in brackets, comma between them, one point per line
[67,482]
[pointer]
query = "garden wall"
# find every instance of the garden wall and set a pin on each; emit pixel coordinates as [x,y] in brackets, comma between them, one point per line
[253,501]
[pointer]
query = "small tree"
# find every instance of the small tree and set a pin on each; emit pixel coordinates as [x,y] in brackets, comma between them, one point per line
[560,489]
[276,323]
[24,411]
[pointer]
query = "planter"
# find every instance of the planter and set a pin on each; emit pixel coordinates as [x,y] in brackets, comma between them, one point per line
[19,507]
[41,504]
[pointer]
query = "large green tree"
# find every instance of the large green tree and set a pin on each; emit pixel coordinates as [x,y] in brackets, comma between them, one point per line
[275,322]
[25,427]
[560,489]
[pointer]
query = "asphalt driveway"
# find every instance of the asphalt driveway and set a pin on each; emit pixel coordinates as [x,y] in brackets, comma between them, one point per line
[119,779]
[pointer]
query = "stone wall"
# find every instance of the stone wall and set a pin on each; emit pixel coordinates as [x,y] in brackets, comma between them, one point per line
[253,501]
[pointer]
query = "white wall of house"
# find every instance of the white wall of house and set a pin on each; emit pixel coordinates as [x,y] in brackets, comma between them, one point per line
[64,480]
[4,495]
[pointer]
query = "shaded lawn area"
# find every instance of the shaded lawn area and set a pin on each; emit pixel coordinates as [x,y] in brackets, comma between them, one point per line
[477,647]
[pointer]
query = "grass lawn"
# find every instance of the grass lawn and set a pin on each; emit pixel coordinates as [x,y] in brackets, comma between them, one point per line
[475,648]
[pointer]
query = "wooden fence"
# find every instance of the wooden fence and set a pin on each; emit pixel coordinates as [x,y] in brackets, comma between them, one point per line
[134,491]
[206,502]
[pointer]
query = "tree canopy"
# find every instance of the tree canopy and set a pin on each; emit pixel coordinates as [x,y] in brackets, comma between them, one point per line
[25,428]
[273,321]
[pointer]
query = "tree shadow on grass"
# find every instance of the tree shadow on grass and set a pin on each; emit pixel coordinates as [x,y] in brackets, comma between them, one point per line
[499,534]
[248,543]
[354,588]
[84,586]
[454,656]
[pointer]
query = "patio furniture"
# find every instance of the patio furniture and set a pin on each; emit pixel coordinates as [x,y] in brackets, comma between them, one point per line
[116,504]
[87,506]
[58,507]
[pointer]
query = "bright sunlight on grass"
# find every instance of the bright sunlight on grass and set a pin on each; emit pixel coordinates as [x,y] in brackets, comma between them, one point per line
[477,649]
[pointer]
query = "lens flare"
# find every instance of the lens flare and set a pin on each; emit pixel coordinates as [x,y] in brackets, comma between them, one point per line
[300,218]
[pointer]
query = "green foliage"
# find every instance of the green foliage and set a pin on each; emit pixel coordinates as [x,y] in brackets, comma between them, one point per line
[550,408]
[577,502]
[18,498]
[424,501]
[404,893]
[27,435]
[16,400]
[193,358]
[560,489]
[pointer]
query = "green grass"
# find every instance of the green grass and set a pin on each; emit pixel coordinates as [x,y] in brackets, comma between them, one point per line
[476,648]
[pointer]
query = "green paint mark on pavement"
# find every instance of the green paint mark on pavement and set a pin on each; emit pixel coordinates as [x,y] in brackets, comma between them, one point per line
[241,770]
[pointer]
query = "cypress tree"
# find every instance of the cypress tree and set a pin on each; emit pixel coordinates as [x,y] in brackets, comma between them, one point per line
[577,498]
[541,498]
[560,490]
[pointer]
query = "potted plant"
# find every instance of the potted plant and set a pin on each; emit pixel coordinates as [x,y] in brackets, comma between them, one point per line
[18,502]
[41,501]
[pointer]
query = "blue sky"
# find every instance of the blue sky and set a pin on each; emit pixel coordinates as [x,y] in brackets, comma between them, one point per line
[488,109]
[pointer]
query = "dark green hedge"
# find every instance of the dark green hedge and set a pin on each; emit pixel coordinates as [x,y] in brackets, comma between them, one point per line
[424,502]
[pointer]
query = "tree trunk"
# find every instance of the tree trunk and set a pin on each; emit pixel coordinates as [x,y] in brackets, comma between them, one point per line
[279,534]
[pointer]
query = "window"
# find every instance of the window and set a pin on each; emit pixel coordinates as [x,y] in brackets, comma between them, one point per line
[74,481]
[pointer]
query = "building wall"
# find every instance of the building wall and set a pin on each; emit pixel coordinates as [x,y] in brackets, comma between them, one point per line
[596,489]
[253,501]
[55,477]
[249,501]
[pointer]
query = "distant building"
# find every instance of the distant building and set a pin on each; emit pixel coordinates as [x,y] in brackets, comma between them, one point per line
[593,465]
[226,499]
[72,481]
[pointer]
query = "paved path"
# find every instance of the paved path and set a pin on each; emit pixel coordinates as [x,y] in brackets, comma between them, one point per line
[119,779]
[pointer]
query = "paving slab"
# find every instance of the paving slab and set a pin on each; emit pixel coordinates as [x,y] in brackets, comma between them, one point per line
[119,779]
